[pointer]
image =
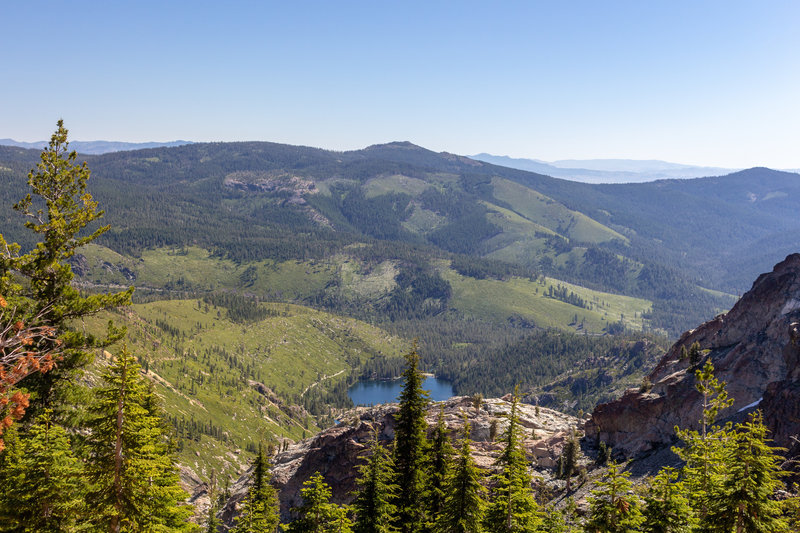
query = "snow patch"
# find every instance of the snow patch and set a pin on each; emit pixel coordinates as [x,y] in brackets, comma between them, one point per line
[790,306]
[746,407]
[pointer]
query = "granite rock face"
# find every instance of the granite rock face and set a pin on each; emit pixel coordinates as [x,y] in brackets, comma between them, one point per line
[335,452]
[781,405]
[753,350]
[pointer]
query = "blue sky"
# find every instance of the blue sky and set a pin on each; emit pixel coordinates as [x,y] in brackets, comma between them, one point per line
[713,83]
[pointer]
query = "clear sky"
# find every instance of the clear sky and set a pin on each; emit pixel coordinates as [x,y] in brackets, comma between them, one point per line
[702,82]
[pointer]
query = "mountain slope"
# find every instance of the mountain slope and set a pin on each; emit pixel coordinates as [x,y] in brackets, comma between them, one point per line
[753,349]
[231,380]
[257,201]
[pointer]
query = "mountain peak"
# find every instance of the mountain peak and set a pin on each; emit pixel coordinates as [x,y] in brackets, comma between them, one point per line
[396,144]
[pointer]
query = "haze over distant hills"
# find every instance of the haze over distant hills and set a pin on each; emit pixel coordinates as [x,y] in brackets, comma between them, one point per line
[605,170]
[96,147]
[582,170]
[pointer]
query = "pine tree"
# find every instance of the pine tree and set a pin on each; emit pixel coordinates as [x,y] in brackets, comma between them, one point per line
[317,514]
[135,485]
[410,448]
[744,501]
[260,510]
[463,505]
[58,209]
[374,510]
[612,506]
[439,465]
[667,508]
[704,450]
[513,507]
[166,511]
[43,490]
[340,521]
[569,459]
[694,354]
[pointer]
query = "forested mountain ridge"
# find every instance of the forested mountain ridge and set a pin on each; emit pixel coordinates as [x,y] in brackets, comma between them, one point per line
[251,201]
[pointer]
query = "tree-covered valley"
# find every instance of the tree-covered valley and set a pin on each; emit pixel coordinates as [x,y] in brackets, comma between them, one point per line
[239,289]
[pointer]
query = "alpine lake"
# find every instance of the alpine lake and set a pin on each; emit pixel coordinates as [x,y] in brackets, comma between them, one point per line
[377,391]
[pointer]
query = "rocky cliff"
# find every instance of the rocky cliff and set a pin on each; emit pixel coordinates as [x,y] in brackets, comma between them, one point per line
[337,451]
[753,348]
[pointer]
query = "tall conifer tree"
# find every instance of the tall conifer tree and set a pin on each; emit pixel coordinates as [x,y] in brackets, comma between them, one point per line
[43,489]
[410,447]
[569,459]
[317,514]
[612,508]
[464,504]
[261,510]
[375,512]
[704,450]
[212,522]
[57,209]
[744,501]
[513,507]
[439,465]
[45,305]
[135,484]
[667,508]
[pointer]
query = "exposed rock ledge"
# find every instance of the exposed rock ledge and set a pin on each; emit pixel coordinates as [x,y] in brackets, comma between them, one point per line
[752,350]
[336,451]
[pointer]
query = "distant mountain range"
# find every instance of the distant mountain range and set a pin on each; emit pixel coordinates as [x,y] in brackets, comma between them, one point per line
[605,170]
[582,170]
[96,147]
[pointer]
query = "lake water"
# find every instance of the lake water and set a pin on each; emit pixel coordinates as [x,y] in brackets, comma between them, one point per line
[373,392]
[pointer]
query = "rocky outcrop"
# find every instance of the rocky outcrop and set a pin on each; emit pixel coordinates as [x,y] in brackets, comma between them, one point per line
[781,404]
[752,351]
[276,182]
[337,451]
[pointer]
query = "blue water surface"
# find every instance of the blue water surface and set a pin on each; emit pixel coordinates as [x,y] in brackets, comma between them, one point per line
[373,391]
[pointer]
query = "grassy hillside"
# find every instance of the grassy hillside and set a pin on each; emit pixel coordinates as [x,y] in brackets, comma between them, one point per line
[229,385]
[553,215]
[545,302]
